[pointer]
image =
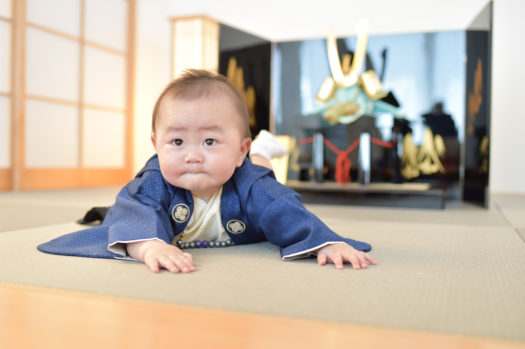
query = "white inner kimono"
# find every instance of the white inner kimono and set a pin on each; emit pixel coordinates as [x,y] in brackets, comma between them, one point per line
[205,222]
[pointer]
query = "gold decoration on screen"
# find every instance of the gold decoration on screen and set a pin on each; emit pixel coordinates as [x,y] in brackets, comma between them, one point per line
[429,152]
[236,75]
[484,155]
[409,165]
[474,97]
[424,159]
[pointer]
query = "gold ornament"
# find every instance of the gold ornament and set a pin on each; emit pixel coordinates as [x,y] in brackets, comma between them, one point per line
[236,75]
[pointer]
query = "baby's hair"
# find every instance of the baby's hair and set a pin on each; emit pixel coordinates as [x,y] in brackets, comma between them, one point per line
[197,83]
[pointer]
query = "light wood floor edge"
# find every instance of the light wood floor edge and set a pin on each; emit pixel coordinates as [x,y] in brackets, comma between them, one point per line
[33,317]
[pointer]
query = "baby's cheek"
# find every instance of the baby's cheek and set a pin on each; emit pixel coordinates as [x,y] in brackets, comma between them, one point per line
[170,173]
[225,173]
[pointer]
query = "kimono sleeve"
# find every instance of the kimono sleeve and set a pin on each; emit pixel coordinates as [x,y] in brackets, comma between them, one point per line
[140,213]
[279,213]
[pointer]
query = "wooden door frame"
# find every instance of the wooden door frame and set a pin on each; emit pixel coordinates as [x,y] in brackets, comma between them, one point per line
[6,174]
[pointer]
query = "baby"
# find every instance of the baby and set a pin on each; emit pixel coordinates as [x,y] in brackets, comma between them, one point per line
[201,191]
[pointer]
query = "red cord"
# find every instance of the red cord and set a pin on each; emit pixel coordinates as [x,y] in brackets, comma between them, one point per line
[382,143]
[343,163]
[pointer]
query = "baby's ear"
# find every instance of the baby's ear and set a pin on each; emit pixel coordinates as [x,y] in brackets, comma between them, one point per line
[154,140]
[245,148]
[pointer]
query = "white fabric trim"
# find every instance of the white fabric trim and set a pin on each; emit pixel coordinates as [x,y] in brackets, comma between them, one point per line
[309,252]
[119,247]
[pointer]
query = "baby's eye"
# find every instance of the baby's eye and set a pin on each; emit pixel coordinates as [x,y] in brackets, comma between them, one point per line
[177,142]
[210,142]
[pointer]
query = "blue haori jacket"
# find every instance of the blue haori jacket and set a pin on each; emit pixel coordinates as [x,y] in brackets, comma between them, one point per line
[254,207]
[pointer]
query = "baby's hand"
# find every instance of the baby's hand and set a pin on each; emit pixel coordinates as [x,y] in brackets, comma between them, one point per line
[158,254]
[340,253]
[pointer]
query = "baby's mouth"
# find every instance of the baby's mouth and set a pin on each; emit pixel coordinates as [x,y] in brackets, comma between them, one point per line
[194,171]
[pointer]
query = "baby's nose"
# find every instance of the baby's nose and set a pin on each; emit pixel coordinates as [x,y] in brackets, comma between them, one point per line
[194,154]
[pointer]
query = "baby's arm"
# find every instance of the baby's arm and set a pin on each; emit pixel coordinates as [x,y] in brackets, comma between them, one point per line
[157,254]
[340,253]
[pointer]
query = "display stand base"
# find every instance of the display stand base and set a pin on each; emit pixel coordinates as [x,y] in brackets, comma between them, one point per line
[416,195]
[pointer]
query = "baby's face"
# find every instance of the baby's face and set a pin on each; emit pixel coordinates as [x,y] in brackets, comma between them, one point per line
[199,143]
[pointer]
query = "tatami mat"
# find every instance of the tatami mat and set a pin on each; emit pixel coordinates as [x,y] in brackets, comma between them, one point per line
[515,217]
[451,278]
[77,197]
[521,232]
[512,201]
[455,213]
[38,208]
[512,207]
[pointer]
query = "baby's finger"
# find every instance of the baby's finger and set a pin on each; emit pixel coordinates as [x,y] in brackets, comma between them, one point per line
[167,263]
[189,261]
[189,256]
[338,261]
[191,264]
[362,260]
[183,263]
[370,259]
[354,261]
[321,259]
[152,264]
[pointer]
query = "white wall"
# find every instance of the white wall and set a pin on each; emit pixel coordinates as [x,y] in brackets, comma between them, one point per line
[507,165]
[152,71]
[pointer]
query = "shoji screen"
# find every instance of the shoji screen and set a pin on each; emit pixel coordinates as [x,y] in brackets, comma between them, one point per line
[74,126]
[5,94]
